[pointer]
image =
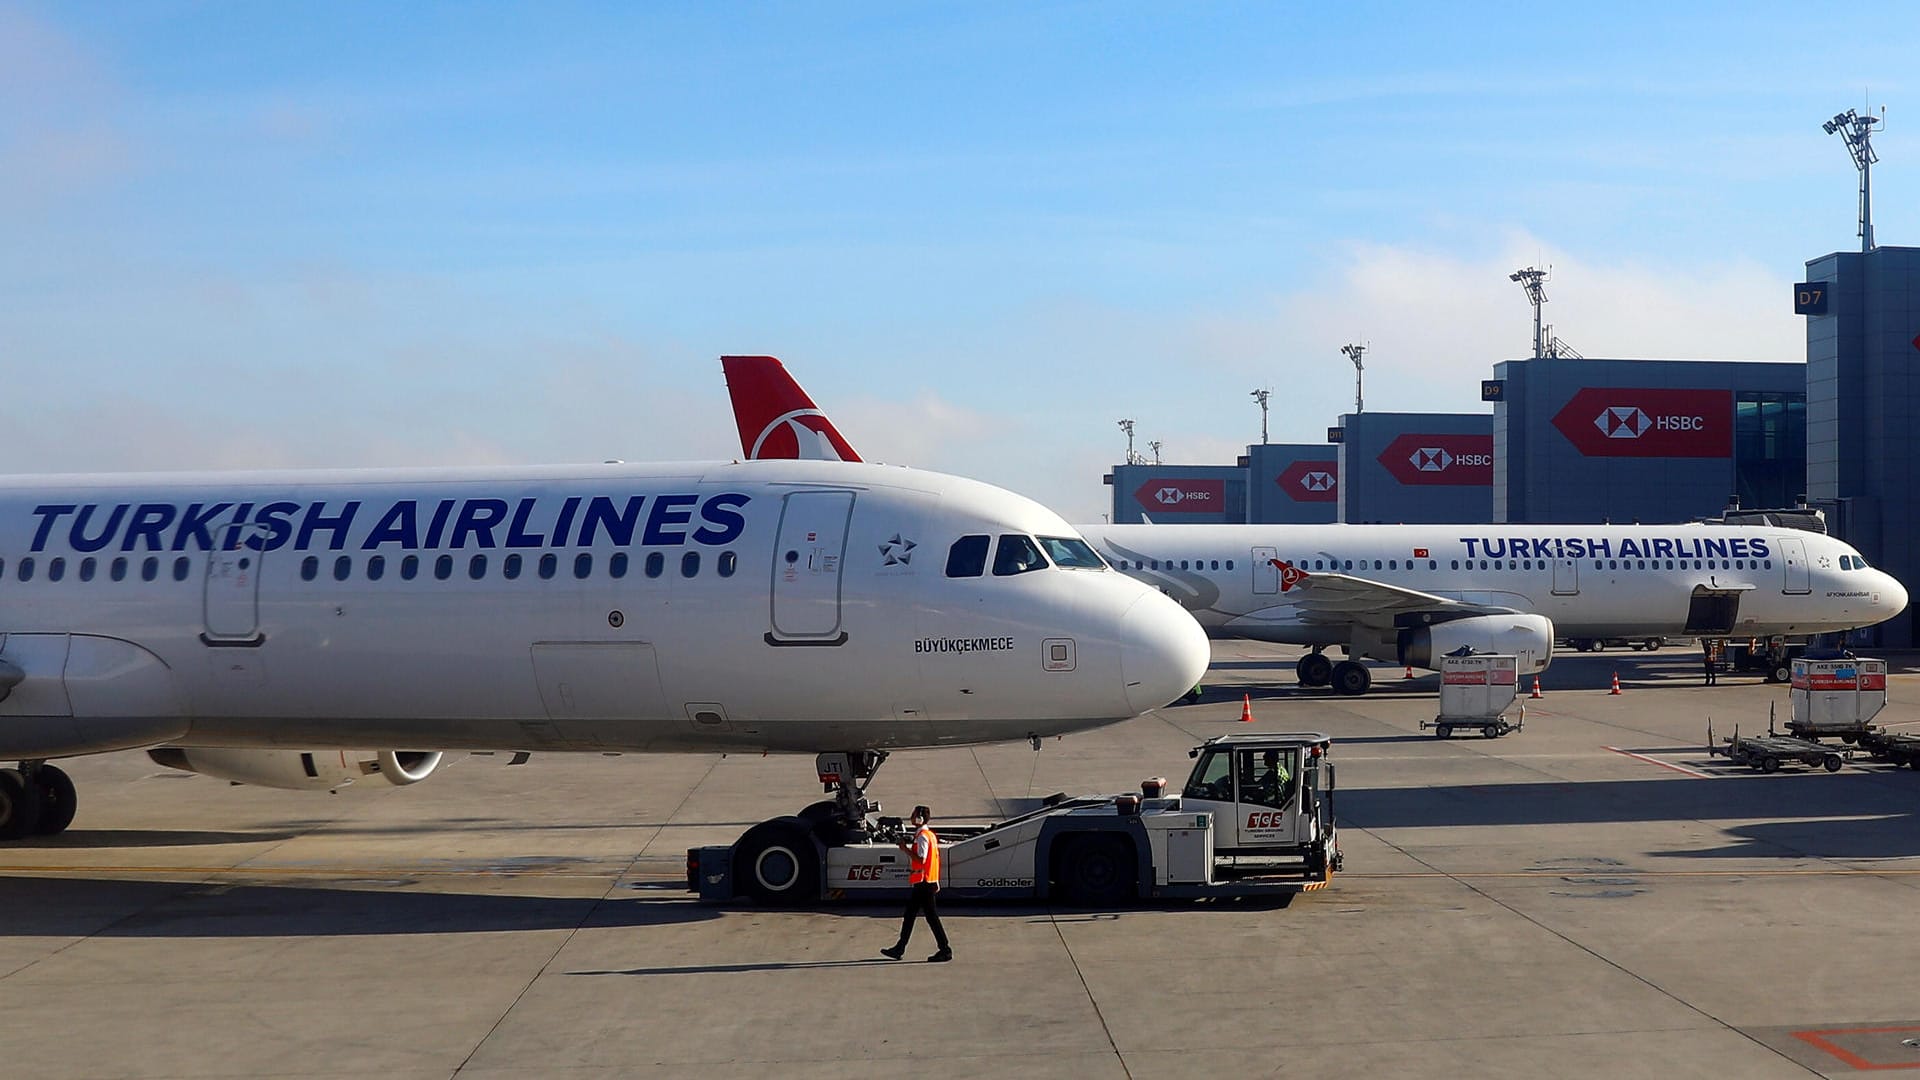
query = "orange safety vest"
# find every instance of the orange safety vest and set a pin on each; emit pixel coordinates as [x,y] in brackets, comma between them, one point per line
[927,869]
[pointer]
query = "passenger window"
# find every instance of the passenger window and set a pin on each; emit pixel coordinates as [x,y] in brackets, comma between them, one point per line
[1216,564]
[1183,566]
[1434,564]
[309,568]
[1229,564]
[617,565]
[1212,777]
[583,565]
[510,567]
[690,564]
[86,569]
[443,568]
[342,567]
[966,558]
[150,568]
[1073,553]
[549,563]
[728,563]
[477,567]
[410,568]
[376,567]
[1017,554]
[26,568]
[1768,565]
[656,564]
[118,570]
[182,566]
[56,568]
[1456,563]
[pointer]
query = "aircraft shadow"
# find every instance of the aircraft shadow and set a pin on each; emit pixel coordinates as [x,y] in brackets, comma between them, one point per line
[1799,814]
[118,908]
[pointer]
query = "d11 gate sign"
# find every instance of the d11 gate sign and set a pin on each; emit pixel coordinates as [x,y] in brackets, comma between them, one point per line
[1440,459]
[1311,481]
[1173,495]
[1625,422]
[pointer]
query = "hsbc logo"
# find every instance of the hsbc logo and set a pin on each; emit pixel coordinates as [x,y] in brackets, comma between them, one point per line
[1431,459]
[1317,481]
[1173,496]
[1631,422]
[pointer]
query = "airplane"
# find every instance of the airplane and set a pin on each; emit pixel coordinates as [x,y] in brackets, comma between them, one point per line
[1408,594]
[264,627]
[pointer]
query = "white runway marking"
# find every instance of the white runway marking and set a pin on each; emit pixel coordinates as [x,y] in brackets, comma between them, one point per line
[1696,773]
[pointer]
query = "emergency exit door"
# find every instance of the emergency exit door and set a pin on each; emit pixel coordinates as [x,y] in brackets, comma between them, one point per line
[1266,575]
[807,568]
[232,590]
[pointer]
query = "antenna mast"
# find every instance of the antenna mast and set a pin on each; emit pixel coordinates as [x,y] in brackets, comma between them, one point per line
[1857,130]
[1534,280]
[1354,353]
[1132,458]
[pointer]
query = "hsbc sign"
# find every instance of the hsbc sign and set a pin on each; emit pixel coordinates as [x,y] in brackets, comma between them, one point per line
[1462,460]
[1626,422]
[1173,495]
[1311,481]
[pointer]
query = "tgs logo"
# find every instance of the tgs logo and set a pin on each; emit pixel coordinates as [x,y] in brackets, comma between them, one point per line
[863,873]
[1266,819]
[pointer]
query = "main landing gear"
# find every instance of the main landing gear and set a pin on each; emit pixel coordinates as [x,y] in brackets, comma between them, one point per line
[1349,678]
[778,862]
[36,799]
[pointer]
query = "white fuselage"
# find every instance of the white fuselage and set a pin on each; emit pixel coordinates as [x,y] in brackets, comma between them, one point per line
[784,605]
[1590,580]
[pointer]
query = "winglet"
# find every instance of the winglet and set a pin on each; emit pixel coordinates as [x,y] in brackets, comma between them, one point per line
[775,417]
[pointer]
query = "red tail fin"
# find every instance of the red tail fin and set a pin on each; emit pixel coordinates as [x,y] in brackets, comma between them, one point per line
[776,418]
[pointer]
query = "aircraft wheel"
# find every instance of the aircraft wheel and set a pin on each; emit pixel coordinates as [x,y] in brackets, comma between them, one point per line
[1314,669]
[1351,678]
[19,806]
[777,863]
[1095,871]
[58,799]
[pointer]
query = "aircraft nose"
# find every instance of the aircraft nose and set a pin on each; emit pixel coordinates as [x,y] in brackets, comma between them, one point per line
[1891,599]
[1163,652]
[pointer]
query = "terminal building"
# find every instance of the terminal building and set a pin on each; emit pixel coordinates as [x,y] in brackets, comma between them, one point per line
[1863,408]
[1415,468]
[1168,494]
[1578,440]
[1292,483]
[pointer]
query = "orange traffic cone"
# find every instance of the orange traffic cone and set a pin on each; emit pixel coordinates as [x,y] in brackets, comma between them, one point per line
[1409,673]
[1246,708]
[1536,688]
[1616,684]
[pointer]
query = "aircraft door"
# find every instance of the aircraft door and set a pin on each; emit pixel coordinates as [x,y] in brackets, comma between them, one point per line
[1266,576]
[232,589]
[807,563]
[1566,577]
[1793,552]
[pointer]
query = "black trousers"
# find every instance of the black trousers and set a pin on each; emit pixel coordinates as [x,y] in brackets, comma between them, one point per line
[923,900]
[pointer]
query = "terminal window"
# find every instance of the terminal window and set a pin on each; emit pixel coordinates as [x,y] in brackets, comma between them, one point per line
[1769,448]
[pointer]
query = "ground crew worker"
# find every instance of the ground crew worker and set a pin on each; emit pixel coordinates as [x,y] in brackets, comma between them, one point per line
[1711,651]
[924,851]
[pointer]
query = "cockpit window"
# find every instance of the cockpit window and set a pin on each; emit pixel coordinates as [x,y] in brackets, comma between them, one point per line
[1017,554]
[967,557]
[1072,553]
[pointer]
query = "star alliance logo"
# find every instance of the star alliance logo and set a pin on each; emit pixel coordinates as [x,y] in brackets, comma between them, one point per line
[1431,459]
[897,551]
[1623,422]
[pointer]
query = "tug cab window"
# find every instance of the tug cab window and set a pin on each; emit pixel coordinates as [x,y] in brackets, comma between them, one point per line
[1073,553]
[967,557]
[1017,554]
[1212,777]
[1267,776]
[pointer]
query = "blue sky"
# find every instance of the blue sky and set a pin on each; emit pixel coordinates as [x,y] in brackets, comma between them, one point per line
[253,234]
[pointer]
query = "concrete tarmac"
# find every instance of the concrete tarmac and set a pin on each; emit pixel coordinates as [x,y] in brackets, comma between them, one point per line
[1591,896]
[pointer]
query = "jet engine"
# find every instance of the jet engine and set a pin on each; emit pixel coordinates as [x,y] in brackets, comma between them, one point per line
[1529,637]
[300,770]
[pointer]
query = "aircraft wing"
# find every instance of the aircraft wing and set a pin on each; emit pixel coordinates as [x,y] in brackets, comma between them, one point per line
[1345,599]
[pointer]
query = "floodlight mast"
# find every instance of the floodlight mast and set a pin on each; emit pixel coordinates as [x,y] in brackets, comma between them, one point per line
[1534,280]
[1132,458]
[1155,447]
[1260,397]
[1354,353]
[1857,130]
